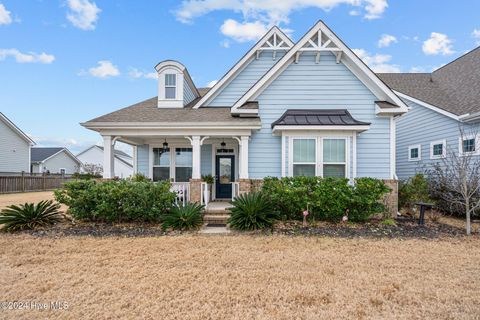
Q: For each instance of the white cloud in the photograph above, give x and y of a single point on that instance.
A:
(243, 32)
(137, 74)
(476, 35)
(272, 12)
(104, 70)
(83, 14)
(438, 43)
(377, 62)
(5, 17)
(30, 57)
(212, 83)
(386, 40)
(354, 13)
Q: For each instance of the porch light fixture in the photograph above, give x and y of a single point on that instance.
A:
(223, 144)
(165, 146)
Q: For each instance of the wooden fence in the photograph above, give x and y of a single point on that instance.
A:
(25, 183)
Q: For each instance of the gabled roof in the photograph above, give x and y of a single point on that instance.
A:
(16, 129)
(274, 39)
(320, 117)
(173, 63)
(116, 151)
(453, 88)
(320, 39)
(41, 154)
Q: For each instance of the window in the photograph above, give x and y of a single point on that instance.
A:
(170, 86)
(468, 145)
(334, 158)
(161, 164)
(304, 157)
(62, 171)
(183, 164)
(438, 149)
(414, 153)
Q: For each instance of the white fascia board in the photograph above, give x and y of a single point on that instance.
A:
(170, 125)
(358, 67)
(241, 64)
(387, 111)
(427, 105)
(12, 125)
(358, 128)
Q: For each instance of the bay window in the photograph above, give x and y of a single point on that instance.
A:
(304, 157)
(334, 158)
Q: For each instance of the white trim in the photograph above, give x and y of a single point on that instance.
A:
(315, 163)
(443, 142)
(250, 55)
(12, 126)
(170, 125)
(320, 128)
(427, 105)
(354, 155)
(468, 137)
(415, 146)
(367, 76)
(283, 155)
(392, 147)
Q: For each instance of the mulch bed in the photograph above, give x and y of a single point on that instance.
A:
(403, 228)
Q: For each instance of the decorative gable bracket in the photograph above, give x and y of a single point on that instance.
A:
(320, 43)
(277, 42)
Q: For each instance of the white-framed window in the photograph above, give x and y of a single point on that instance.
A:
(161, 164)
(415, 153)
(183, 164)
(438, 149)
(304, 156)
(62, 171)
(170, 86)
(469, 144)
(334, 157)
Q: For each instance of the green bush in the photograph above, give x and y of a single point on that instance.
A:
(188, 217)
(412, 190)
(326, 198)
(209, 179)
(366, 198)
(85, 176)
(251, 211)
(139, 177)
(30, 215)
(116, 200)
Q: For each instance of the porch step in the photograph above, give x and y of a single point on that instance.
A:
(216, 208)
(216, 219)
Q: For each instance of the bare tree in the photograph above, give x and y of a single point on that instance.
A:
(456, 179)
(92, 168)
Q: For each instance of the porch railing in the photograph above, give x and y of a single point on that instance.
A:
(182, 189)
(235, 189)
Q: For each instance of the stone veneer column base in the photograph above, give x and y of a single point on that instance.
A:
(250, 185)
(195, 190)
(391, 199)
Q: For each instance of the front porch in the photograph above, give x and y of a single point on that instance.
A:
(183, 160)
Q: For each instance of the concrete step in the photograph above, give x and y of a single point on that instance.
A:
(216, 219)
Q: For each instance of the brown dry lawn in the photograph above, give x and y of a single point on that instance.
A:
(20, 198)
(241, 277)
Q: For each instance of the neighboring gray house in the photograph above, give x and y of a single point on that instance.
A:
(94, 156)
(56, 160)
(440, 104)
(284, 109)
(14, 147)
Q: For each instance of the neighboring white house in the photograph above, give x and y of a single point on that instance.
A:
(56, 160)
(94, 156)
(14, 147)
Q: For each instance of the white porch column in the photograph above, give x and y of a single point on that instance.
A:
(196, 157)
(243, 161)
(108, 163)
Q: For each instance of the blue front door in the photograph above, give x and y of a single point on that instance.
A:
(225, 169)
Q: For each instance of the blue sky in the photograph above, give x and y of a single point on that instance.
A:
(63, 62)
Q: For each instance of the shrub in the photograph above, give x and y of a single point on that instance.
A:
(366, 199)
(30, 215)
(116, 200)
(251, 211)
(412, 190)
(326, 198)
(85, 176)
(208, 179)
(139, 177)
(188, 217)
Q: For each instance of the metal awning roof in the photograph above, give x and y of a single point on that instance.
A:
(318, 117)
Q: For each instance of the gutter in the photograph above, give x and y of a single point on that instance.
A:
(470, 118)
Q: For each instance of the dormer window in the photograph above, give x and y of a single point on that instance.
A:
(170, 86)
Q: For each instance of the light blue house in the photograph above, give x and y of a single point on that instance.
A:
(285, 109)
(441, 104)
